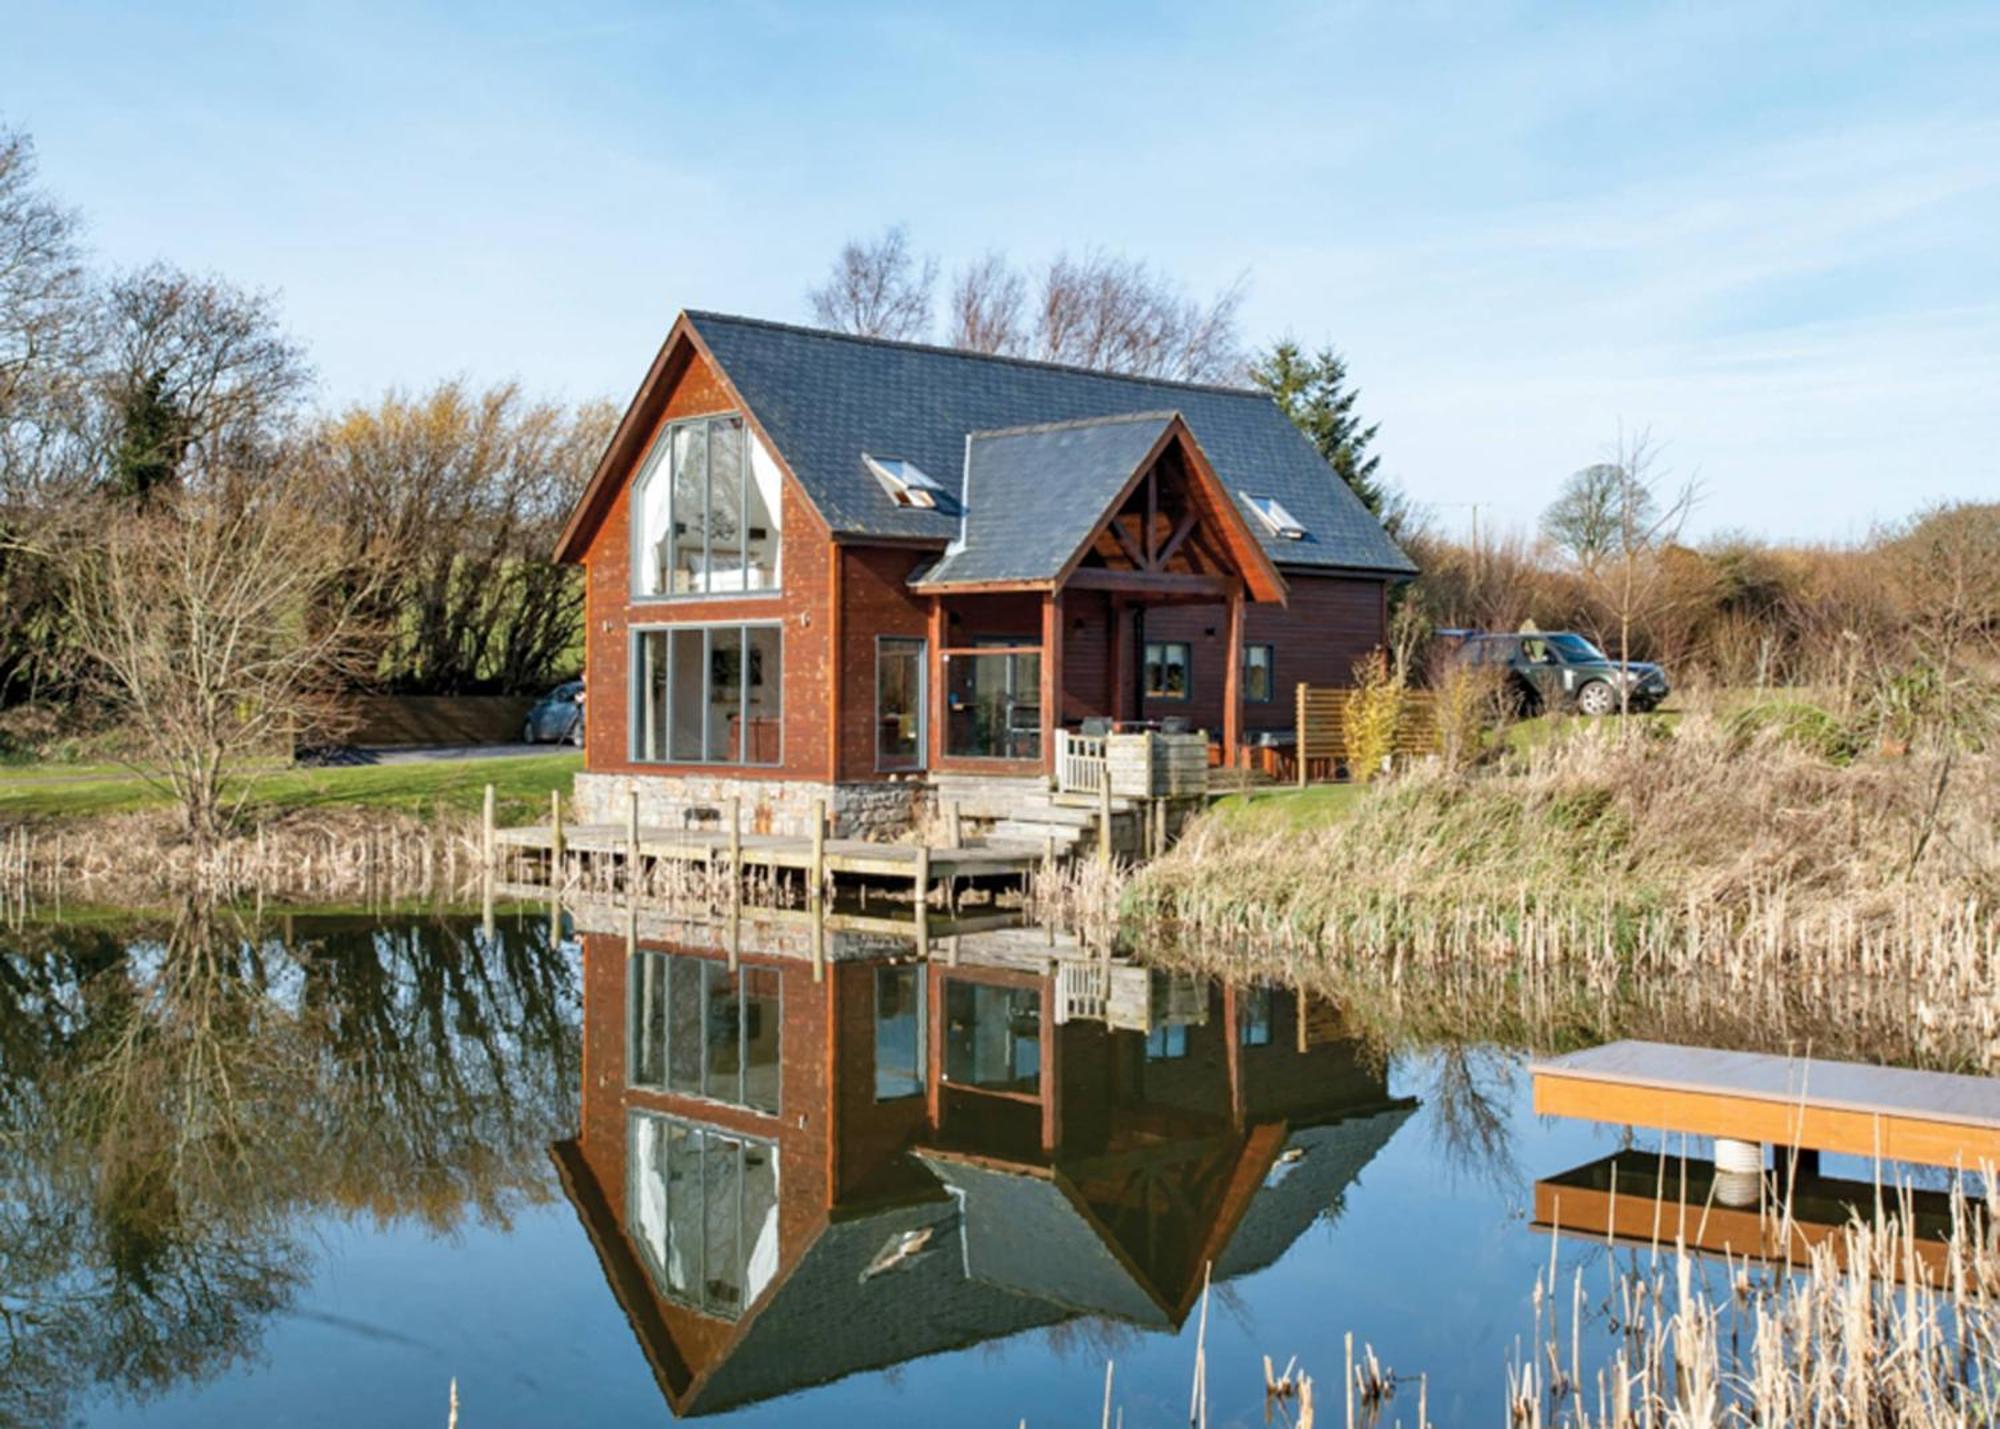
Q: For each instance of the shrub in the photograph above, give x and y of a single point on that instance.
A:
(1369, 716)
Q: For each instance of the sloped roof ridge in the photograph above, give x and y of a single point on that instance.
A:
(1224, 389)
(1034, 428)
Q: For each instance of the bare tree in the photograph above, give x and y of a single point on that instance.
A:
(449, 504)
(196, 374)
(219, 622)
(45, 336)
(1116, 315)
(1097, 310)
(988, 302)
(1943, 697)
(1622, 520)
(877, 289)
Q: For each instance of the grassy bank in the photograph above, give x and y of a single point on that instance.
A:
(1712, 864)
(49, 792)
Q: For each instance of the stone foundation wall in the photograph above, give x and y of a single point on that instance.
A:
(877, 810)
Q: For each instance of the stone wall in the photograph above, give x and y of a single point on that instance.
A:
(874, 810)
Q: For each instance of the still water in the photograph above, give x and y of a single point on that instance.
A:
(310, 1170)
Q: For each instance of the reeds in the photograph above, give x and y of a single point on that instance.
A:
(1863, 1332)
(1707, 870)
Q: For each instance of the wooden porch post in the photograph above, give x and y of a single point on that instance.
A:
(1052, 644)
(1232, 1052)
(1232, 680)
(934, 696)
(1114, 657)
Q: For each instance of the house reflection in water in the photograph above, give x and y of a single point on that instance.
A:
(788, 1181)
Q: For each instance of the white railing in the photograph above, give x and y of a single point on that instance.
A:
(1080, 763)
(1083, 990)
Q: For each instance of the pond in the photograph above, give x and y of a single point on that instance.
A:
(312, 1169)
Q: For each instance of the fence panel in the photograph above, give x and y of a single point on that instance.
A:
(1320, 744)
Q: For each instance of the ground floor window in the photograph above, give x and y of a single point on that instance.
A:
(703, 1207)
(1169, 669)
(1259, 674)
(700, 1030)
(993, 1037)
(708, 694)
(899, 1032)
(1167, 1042)
(899, 703)
(994, 703)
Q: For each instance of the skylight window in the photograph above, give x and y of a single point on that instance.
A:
(1280, 522)
(905, 481)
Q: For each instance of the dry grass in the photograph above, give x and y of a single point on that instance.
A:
(1883, 1341)
(1713, 864)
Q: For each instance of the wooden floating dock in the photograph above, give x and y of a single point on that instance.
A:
(1634, 1198)
(1886, 1113)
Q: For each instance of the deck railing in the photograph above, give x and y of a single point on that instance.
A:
(1083, 990)
(1080, 762)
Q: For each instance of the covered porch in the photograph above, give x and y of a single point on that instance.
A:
(1038, 652)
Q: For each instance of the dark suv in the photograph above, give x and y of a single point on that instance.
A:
(1558, 669)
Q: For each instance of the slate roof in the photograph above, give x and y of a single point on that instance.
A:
(1313, 1183)
(825, 1321)
(825, 398)
(1023, 1233)
(1033, 494)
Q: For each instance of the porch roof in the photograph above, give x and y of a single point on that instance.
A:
(1035, 498)
(1033, 495)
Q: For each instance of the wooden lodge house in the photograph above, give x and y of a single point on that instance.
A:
(822, 567)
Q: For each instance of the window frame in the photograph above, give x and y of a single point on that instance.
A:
(923, 755)
(637, 533)
(637, 726)
(1270, 695)
(920, 974)
(634, 1169)
(665, 1087)
(1146, 663)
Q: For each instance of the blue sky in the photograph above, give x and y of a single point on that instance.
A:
(1769, 232)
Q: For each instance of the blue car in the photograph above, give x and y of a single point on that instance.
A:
(557, 717)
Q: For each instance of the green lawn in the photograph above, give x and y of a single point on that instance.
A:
(1274, 811)
(521, 783)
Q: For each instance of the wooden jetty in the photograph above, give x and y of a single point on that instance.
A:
(777, 851)
(1886, 1113)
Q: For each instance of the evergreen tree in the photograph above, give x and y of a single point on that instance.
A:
(151, 441)
(1313, 392)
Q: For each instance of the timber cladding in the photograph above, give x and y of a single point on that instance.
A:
(876, 601)
(1326, 624)
(801, 606)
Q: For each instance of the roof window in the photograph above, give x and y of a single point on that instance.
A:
(1280, 522)
(905, 481)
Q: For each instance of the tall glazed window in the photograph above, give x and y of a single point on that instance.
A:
(708, 694)
(705, 513)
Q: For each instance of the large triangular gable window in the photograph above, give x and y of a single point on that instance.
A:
(1277, 520)
(905, 481)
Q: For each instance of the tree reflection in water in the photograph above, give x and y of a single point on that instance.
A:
(178, 1100)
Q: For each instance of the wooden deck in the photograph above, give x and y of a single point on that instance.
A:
(771, 851)
(1886, 1113)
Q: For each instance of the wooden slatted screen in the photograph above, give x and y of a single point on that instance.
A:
(1320, 721)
